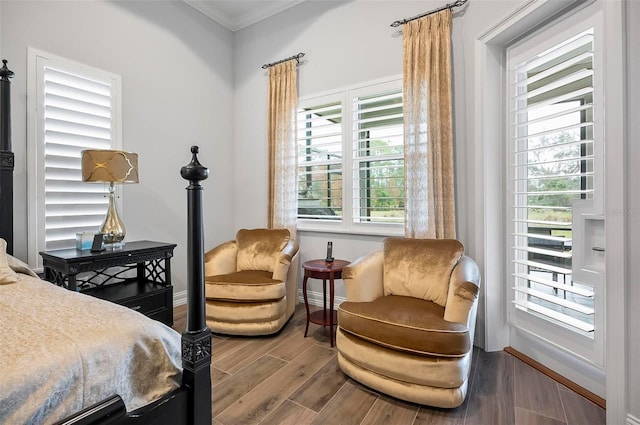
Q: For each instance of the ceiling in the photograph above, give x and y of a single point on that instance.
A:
(237, 14)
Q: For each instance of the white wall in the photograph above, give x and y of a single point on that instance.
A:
(177, 81)
(345, 43)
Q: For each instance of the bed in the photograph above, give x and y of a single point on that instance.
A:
(69, 358)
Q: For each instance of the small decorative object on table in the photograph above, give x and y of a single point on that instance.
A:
(97, 243)
(329, 258)
(84, 240)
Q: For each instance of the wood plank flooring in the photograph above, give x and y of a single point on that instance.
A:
(289, 379)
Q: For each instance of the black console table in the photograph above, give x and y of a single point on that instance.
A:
(108, 275)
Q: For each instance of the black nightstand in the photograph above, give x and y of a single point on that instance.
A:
(109, 275)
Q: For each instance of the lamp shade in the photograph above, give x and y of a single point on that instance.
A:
(109, 166)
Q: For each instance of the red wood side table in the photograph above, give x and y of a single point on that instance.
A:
(320, 269)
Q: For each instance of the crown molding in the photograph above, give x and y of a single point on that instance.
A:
(245, 18)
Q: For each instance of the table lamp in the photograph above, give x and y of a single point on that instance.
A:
(112, 166)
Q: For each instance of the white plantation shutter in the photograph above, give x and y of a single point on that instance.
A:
(320, 161)
(77, 116)
(553, 164)
(76, 108)
(378, 158)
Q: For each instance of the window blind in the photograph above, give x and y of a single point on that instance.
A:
(553, 164)
(378, 158)
(320, 162)
(77, 116)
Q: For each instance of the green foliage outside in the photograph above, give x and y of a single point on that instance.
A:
(554, 171)
(386, 190)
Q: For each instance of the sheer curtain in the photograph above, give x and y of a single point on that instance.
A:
(428, 138)
(282, 109)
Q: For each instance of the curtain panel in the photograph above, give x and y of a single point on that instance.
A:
(282, 109)
(428, 128)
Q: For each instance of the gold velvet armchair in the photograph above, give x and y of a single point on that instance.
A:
(407, 326)
(251, 282)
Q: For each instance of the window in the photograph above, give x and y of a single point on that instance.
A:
(552, 138)
(351, 160)
(72, 108)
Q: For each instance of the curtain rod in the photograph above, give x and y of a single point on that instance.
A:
(296, 57)
(456, 3)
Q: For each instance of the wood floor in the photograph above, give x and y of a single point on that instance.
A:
(289, 379)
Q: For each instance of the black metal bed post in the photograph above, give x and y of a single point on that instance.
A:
(6, 158)
(196, 340)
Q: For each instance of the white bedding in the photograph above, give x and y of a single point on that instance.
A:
(61, 351)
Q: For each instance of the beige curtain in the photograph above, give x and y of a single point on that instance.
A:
(282, 108)
(428, 141)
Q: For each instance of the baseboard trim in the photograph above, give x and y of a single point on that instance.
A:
(315, 298)
(632, 420)
(179, 298)
(594, 398)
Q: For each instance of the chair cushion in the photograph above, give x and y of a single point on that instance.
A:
(244, 286)
(245, 312)
(405, 324)
(420, 268)
(259, 249)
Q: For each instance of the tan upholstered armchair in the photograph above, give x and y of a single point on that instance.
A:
(251, 282)
(407, 326)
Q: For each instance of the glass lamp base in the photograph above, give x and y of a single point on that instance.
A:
(114, 246)
(112, 228)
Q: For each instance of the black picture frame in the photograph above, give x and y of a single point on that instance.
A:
(96, 246)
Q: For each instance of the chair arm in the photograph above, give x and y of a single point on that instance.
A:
(221, 259)
(284, 260)
(464, 286)
(363, 278)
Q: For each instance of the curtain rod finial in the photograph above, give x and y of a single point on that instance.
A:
(456, 3)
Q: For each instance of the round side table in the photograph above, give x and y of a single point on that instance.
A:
(320, 269)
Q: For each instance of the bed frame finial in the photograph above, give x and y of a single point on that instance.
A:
(194, 171)
(5, 73)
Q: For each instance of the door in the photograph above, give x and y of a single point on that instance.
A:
(554, 193)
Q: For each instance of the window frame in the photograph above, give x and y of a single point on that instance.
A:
(37, 60)
(347, 224)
